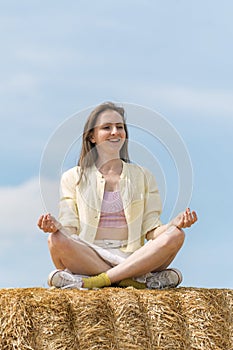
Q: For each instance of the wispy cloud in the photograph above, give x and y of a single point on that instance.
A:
(203, 101)
(20, 207)
(47, 56)
(24, 256)
(20, 83)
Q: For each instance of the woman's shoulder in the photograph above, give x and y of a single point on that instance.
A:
(73, 172)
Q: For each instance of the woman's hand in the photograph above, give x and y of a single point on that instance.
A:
(184, 219)
(48, 223)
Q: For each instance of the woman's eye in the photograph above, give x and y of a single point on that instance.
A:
(107, 127)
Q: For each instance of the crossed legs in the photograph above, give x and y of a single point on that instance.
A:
(156, 255)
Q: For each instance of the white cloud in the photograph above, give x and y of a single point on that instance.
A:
(47, 56)
(20, 83)
(21, 206)
(199, 103)
(207, 102)
(24, 255)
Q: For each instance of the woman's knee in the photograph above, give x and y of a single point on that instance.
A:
(174, 238)
(178, 238)
(57, 241)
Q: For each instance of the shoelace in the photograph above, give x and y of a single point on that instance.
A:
(161, 283)
(70, 282)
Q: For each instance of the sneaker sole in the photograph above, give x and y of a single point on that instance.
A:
(50, 277)
(72, 283)
(179, 274)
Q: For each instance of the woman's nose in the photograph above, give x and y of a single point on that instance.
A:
(114, 130)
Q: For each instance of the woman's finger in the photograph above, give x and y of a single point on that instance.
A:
(185, 216)
(192, 218)
(48, 223)
(194, 214)
(40, 221)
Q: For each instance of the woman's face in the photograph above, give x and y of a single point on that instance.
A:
(109, 133)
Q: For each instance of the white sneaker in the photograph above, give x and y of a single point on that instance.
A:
(169, 278)
(64, 280)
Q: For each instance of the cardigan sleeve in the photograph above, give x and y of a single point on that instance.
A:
(152, 204)
(68, 209)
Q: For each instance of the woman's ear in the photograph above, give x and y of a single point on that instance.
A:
(91, 138)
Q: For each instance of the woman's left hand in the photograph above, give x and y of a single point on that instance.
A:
(48, 223)
(185, 219)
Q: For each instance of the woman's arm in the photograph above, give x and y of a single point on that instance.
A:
(68, 209)
(49, 224)
(182, 220)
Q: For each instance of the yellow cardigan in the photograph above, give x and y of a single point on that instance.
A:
(80, 205)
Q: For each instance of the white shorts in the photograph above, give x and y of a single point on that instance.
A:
(112, 252)
(108, 250)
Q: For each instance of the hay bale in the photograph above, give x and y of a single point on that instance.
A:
(114, 318)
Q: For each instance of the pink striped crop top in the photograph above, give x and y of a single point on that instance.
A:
(112, 211)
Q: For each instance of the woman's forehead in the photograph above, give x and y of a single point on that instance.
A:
(109, 116)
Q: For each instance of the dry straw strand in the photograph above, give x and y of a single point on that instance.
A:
(165, 321)
(207, 318)
(114, 318)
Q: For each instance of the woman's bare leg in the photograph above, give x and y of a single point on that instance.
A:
(75, 256)
(156, 255)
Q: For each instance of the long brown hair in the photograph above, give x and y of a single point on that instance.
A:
(88, 154)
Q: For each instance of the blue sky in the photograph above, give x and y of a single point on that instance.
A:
(174, 57)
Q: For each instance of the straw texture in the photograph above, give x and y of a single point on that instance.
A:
(114, 318)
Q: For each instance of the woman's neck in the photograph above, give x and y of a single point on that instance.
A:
(113, 166)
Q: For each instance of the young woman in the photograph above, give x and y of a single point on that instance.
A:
(109, 230)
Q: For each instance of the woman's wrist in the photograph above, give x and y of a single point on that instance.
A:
(58, 226)
(173, 224)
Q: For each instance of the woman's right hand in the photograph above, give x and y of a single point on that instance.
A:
(185, 219)
(48, 223)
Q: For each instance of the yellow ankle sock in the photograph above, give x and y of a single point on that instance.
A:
(129, 282)
(98, 281)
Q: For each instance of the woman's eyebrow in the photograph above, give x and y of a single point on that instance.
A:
(110, 123)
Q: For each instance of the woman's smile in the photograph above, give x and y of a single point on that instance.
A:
(114, 140)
